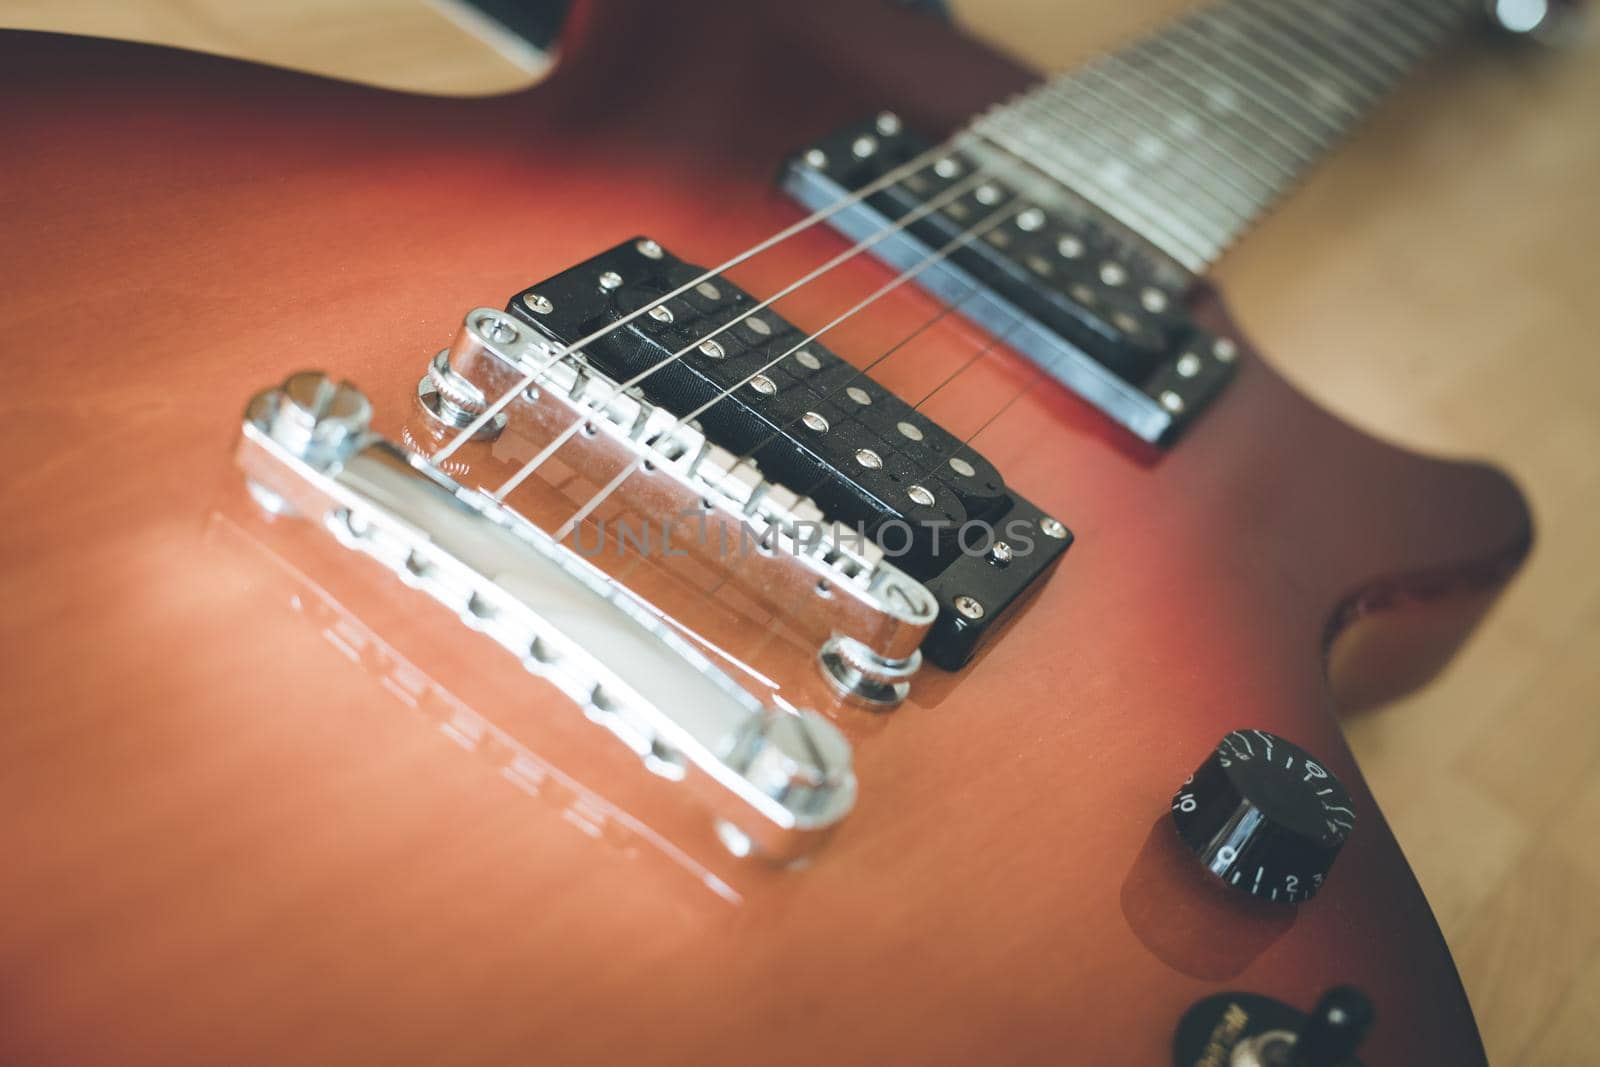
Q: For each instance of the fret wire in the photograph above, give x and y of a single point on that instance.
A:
(1090, 175)
(1390, 22)
(1293, 75)
(1197, 181)
(1374, 84)
(1249, 145)
(1422, 13)
(1251, 187)
(1316, 129)
(1199, 229)
(1335, 20)
(1364, 84)
(1085, 183)
(1436, 25)
(1223, 98)
(1295, 154)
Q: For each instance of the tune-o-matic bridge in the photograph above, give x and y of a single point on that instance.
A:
(1077, 293)
(813, 424)
(775, 781)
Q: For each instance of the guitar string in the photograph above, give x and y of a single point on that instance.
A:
(888, 178)
(992, 342)
(928, 207)
(989, 223)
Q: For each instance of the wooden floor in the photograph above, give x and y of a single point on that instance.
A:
(1437, 284)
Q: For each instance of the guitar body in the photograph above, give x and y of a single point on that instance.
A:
(231, 837)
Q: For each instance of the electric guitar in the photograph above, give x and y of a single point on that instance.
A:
(765, 546)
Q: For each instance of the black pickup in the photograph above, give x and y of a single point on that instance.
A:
(1079, 296)
(815, 424)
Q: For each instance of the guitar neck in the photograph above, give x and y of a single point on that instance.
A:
(1190, 134)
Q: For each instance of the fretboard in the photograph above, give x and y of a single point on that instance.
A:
(1188, 135)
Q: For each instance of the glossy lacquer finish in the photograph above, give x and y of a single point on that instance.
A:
(264, 805)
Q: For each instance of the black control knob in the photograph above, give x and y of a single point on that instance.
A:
(1264, 816)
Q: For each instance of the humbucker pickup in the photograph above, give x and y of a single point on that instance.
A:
(1067, 287)
(812, 423)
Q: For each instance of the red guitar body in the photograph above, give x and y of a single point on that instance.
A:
(230, 837)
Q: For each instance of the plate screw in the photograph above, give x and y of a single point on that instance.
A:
(648, 249)
(970, 607)
(1052, 527)
(539, 305)
(816, 158)
(1001, 553)
(1171, 401)
(610, 280)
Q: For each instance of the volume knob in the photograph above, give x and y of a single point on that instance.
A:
(1264, 816)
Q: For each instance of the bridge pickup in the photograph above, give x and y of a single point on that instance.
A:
(1075, 292)
(812, 423)
(867, 616)
(775, 782)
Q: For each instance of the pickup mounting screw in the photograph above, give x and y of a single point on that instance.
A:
(920, 495)
(869, 459)
(1225, 350)
(970, 607)
(539, 305)
(1052, 527)
(648, 249)
(817, 158)
(501, 331)
(888, 123)
(610, 280)
(1001, 554)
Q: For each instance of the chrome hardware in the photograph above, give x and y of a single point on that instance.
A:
(775, 782)
(830, 582)
(969, 607)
